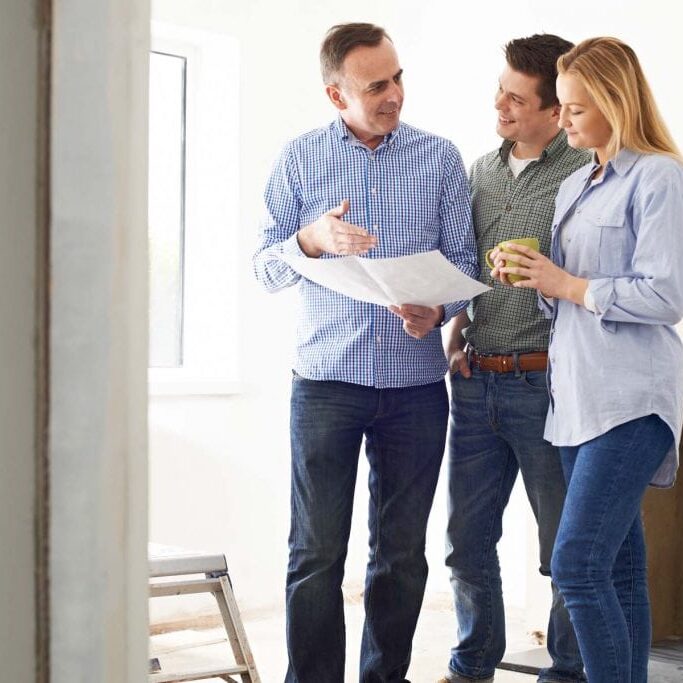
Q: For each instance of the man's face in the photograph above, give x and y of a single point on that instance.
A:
(520, 117)
(369, 92)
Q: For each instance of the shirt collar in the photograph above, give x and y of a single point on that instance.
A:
(621, 164)
(346, 134)
(556, 146)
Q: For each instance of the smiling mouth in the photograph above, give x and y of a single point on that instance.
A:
(505, 121)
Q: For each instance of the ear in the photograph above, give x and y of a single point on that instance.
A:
(335, 96)
(555, 113)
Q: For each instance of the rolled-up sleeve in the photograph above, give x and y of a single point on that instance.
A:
(279, 229)
(457, 240)
(653, 292)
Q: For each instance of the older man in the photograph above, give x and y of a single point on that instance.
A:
(365, 184)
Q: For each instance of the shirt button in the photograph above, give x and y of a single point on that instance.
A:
(375, 227)
(374, 190)
(508, 207)
(379, 338)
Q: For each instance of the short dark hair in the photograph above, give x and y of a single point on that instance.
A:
(343, 38)
(537, 55)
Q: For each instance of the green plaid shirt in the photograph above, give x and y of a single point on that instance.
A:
(506, 319)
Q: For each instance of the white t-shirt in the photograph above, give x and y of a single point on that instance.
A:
(518, 165)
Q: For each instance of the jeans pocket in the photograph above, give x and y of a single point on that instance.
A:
(535, 379)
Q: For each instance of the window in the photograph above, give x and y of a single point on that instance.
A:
(193, 211)
(166, 208)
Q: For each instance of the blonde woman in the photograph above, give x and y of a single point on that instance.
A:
(614, 290)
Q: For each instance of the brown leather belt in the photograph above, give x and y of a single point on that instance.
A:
(526, 362)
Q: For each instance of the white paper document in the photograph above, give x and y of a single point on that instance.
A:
(425, 279)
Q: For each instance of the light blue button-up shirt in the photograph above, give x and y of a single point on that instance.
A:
(624, 233)
(412, 192)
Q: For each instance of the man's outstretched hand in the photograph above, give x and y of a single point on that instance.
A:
(331, 235)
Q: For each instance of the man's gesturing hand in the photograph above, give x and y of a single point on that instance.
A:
(331, 235)
(418, 321)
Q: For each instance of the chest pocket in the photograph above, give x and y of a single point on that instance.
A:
(615, 243)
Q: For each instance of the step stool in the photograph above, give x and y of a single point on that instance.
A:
(217, 581)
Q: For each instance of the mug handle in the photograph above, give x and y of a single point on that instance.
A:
(487, 257)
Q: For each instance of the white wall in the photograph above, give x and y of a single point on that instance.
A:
(18, 197)
(219, 465)
(98, 358)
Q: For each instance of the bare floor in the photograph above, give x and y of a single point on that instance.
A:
(202, 649)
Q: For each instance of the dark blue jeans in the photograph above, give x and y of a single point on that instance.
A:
(405, 432)
(599, 562)
(497, 424)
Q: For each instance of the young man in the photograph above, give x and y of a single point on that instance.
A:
(361, 369)
(498, 361)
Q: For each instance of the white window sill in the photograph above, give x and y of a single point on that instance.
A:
(185, 382)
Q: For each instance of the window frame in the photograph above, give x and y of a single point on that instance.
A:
(210, 353)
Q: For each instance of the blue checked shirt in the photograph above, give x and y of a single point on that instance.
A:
(412, 192)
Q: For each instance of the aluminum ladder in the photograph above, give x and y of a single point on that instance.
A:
(215, 580)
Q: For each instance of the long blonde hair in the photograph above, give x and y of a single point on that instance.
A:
(610, 71)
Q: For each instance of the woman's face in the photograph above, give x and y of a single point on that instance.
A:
(580, 117)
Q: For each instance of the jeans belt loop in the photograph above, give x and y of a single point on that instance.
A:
(515, 360)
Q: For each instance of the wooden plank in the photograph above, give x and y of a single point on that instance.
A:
(235, 629)
(196, 675)
(663, 518)
(178, 565)
(164, 588)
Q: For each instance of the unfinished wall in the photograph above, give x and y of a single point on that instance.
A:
(98, 361)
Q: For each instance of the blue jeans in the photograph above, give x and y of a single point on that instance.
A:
(599, 562)
(497, 423)
(405, 432)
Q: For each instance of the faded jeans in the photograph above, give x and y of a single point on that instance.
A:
(497, 423)
(405, 432)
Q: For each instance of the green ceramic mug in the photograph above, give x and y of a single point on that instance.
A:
(530, 242)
